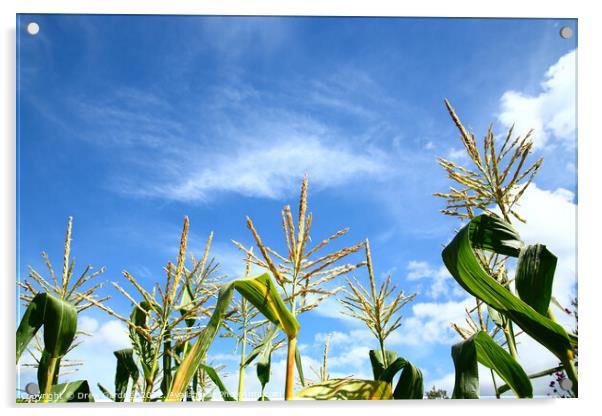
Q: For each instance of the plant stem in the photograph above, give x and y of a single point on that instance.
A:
(509, 334)
(148, 390)
(52, 361)
(290, 369)
(497, 394)
(292, 346)
(243, 342)
(382, 351)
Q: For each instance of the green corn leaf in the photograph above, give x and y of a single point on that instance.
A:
(377, 362)
(535, 276)
(218, 382)
(187, 298)
(262, 293)
(261, 346)
(106, 392)
(410, 385)
(264, 364)
(347, 389)
(299, 366)
(59, 319)
(495, 316)
(167, 367)
(76, 391)
(193, 359)
(483, 349)
(45, 377)
(126, 369)
(490, 233)
(141, 345)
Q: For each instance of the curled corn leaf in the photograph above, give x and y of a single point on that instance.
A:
(483, 349)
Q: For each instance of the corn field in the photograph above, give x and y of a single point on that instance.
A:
(173, 324)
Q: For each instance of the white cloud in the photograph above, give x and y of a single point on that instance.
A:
(552, 112)
(441, 281)
(111, 334)
(331, 308)
(429, 323)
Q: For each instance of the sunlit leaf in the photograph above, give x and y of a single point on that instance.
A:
(490, 233)
(481, 348)
(347, 389)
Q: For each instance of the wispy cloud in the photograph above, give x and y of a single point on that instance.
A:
(268, 171)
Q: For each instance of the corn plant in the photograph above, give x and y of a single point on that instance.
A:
(321, 374)
(249, 328)
(476, 258)
(54, 305)
(301, 278)
(382, 318)
(126, 369)
(165, 319)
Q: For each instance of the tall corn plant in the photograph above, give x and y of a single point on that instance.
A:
(379, 309)
(300, 276)
(249, 328)
(166, 318)
(498, 179)
(53, 304)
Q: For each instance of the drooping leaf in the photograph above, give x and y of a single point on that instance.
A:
(260, 346)
(264, 364)
(59, 319)
(410, 385)
(490, 233)
(261, 292)
(126, 369)
(218, 382)
(483, 349)
(76, 391)
(535, 276)
(378, 364)
(347, 389)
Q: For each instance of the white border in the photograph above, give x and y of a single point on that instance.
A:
(589, 70)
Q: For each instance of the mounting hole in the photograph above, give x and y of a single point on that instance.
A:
(566, 384)
(33, 28)
(32, 389)
(566, 32)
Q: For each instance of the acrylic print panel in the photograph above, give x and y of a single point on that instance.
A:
(271, 208)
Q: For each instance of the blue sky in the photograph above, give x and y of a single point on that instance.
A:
(128, 123)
